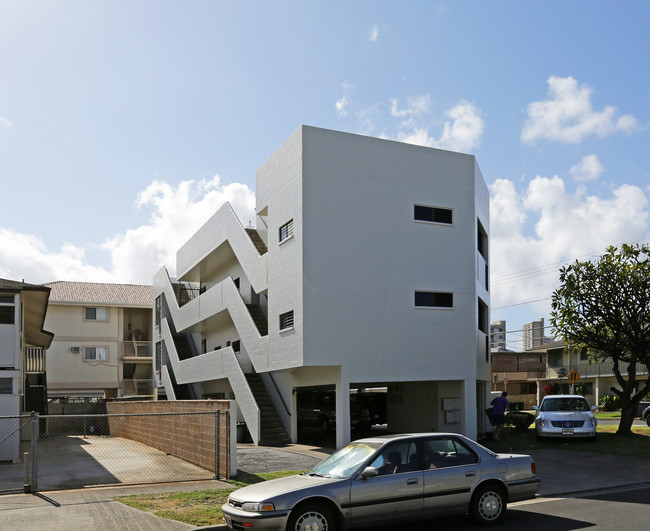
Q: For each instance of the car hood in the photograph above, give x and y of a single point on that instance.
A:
(276, 487)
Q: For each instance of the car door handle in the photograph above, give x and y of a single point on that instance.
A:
(470, 473)
(413, 481)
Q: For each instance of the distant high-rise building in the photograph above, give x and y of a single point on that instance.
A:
(534, 335)
(498, 334)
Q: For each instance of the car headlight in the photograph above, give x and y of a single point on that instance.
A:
(542, 422)
(592, 422)
(255, 507)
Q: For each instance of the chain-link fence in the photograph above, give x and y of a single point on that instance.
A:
(71, 451)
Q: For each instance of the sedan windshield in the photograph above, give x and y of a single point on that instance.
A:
(343, 463)
(565, 404)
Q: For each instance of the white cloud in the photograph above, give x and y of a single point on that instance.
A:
(545, 224)
(461, 132)
(374, 34)
(342, 105)
(4, 122)
(465, 128)
(588, 169)
(176, 212)
(416, 106)
(567, 115)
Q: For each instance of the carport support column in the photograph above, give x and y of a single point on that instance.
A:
(469, 403)
(343, 434)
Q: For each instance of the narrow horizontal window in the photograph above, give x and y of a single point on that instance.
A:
(286, 231)
(95, 353)
(433, 299)
(97, 314)
(286, 320)
(432, 214)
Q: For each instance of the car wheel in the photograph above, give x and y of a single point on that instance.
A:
(311, 517)
(488, 505)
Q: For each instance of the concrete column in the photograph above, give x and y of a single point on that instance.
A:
(468, 389)
(343, 432)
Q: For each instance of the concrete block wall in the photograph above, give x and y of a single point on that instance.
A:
(189, 437)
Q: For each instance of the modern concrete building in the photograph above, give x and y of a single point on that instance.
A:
(102, 347)
(367, 267)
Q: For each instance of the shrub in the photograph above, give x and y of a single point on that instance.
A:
(519, 420)
(609, 403)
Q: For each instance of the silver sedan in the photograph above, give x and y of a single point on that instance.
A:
(395, 478)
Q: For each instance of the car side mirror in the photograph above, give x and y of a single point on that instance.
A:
(594, 408)
(369, 472)
(536, 408)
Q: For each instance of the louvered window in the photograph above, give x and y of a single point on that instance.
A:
(286, 231)
(286, 320)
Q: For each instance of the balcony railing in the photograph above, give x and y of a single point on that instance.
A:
(137, 349)
(34, 359)
(137, 387)
(585, 369)
(186, 291)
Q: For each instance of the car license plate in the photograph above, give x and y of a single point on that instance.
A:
(567, 431)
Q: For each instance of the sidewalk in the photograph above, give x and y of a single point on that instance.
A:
(562, 473)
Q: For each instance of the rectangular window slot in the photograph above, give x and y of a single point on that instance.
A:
(433, 299)
(432, 214)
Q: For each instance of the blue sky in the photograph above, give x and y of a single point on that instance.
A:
(125, 124)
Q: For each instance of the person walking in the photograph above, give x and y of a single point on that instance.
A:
(499, 406)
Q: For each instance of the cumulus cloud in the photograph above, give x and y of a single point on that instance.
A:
(176, 212)
(4, 122)
(545, 224)
(588, 169)
(462, 131)
(374, 34)
(567, 115)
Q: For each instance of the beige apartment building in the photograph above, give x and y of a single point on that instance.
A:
(102, 347)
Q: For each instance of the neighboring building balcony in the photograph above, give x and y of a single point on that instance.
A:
(35, 359)
(136, 387)
(591, 370)
(137, 351)
(519, 376)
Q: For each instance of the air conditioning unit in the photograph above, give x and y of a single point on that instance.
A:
(75, 350)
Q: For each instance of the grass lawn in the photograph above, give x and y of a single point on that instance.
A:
(203, 507)
(198, 507)
(607, 442)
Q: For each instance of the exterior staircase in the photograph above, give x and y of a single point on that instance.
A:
(272, 429)
(257, 240)
(259, 318)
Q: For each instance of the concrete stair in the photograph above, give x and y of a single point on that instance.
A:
(272, 429)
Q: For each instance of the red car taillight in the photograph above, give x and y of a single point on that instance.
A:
(533, 468)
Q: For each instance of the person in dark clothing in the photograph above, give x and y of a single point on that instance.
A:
(499, 406)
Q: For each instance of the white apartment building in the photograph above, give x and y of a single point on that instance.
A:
(23, 340)
(498, 334)
(367, 267)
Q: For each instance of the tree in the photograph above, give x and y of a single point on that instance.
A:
(604, 306)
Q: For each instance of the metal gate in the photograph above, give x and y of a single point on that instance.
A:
(53, 452)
